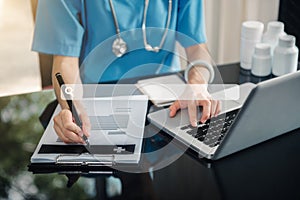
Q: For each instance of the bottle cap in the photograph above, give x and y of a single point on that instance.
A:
(275, 27)
(261, 60)
(252, 30)
(287, 41)
(262, 49)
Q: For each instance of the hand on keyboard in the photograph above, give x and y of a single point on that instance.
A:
(197, 95)
(213, 131)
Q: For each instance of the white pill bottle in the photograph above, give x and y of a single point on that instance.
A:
(251, 34)
(275, 29)
(262, 60)
(285, 59)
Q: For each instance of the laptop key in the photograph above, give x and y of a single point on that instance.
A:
(212, 132)
(193, 132)
(201, 138)
(224, 130)
(209, 134)
(206, 140)
(215, 144)
(202, 131)
(185, 127)
(209, 141)
(220, 137)
(230, 122)
(190, 126)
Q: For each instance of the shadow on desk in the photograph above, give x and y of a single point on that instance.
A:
(266, 171)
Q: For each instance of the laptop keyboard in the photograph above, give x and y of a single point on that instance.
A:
(213, 130)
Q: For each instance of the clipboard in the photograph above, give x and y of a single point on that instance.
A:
(66, 164)
(53, 156)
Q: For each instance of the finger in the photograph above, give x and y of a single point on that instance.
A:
(218, 109)
(60, 134)
(174, 108)
(58, 129)
(63, 132)
(206, 105)
(69, 129)
(213, 108)
(72, 136)
(68, 124)
(192, 110)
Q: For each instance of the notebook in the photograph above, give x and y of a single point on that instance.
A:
(116, 134)
(163, 90)
(264, 111)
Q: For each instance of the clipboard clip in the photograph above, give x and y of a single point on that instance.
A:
(85, 159)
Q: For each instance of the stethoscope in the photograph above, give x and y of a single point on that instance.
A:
(119, 46)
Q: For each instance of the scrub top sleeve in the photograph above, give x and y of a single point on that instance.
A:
(191, 23)
(58, 30)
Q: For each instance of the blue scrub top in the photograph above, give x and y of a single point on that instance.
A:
(85, 29)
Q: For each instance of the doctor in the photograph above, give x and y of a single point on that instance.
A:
(131, 38)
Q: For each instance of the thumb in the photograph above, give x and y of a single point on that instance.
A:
(174, 108)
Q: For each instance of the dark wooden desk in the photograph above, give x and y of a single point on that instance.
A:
(266, 171)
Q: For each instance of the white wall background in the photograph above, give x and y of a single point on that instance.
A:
(18, 65)
(223, 24)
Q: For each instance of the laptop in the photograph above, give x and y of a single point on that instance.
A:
(264, 111)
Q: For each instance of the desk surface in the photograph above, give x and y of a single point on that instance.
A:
(266, 171)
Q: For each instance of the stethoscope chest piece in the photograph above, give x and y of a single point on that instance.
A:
(119, 47)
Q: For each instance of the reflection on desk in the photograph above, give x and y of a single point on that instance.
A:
(266, 171)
